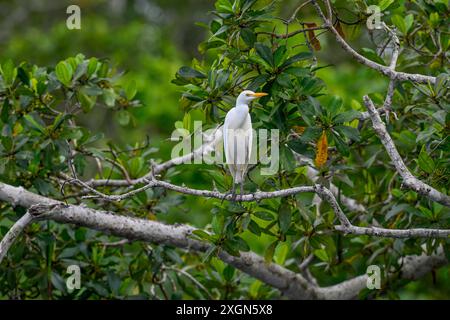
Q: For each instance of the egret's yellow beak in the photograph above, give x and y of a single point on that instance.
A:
(259, 94)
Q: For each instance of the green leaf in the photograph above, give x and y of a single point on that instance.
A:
(434, 19)
(114, 282)
(130, 90)
(64, 73)
(69, 253)
(349, 132)
(221, 30)
(287, 158)
(384, 4)
(217, 223)
(396, 209)
(9, 72)
(23, 76)
(58, 281)
(284, 216)
(279, 55)
(103, 70)
(190, 73)
(92, 66)
(43, 186)
(224, 6)
(238, 243)
(109, 96)
(321, 254)
(409, 20)
(228, 273)
(372, 55)
(212, 250)
(227, 245)
(425, 162)
(206, 45)
(254, 228)
(268, 254)
(136, 164)
(254, 289)
(4, 115)
(341, 146)
(80, 71)
(298, 57)
(265, 53)
(281, 253)
(248, 36)
(399, 22)
(335, 105)
(311, 134)
(298, 146)
(202, 235)
(284, 80)
(425, 212)
(59, 120)
(34, 124)
(297, 71)
(264, 215)
(86, 102)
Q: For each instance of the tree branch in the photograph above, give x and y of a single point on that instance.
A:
(313, 175)
(291, 284)
(385, 70)
(412, 268)
(203, 150)
(408, 179)
(14, 233)
(291, 34)
(345, 225)
(395, 233)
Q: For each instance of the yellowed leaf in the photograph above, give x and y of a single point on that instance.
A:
(338, 28)
(299, 129)
(321, 150)
(312, 36)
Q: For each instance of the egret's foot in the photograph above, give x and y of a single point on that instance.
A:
(233, 196)
(232, 193)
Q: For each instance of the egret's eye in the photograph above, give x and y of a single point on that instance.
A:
(248, 94)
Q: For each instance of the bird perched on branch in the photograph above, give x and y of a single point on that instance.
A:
(238, 137)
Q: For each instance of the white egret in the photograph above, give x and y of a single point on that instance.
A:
(238, 137)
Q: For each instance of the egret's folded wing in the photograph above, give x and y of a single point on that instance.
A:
(249, 135)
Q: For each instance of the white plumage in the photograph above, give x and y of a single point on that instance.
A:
(238, 137)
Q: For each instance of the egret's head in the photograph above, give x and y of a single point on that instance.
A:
(247, 95)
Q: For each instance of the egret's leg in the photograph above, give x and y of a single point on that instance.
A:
(233, 192)
(241, 187)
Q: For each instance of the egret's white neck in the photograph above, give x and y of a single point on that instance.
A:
(242, 107)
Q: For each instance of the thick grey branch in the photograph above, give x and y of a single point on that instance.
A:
(291, 284)
(321, 191)
(396, 233)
